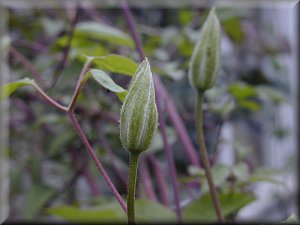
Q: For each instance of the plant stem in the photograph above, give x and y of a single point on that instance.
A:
(79, 84)
(132, 176)
(96, 160)
(204, 157)
(19, 57)
(50, 100)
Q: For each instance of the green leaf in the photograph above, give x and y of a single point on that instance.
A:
(10, 88)
(241, 90)
(232, 26)
(185, 16)
(93, 30)
(36, 199)
(149, 212)
(122, 95)
(146, 212)
(104, 213)
(116, 64)
(79, 46)
(202, 210)
(249, 104)
(103, 79)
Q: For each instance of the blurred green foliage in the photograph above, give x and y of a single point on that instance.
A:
(47, 157)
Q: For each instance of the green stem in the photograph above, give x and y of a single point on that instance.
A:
(132, 176)
(205, 160)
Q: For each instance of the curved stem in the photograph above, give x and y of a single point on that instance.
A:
(50, 100)
(80, 82)
(132, 176)
(204, 157)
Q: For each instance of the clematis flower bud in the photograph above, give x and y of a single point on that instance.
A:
(138, 121)
(205, 59)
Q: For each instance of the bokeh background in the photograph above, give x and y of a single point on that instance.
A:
(250, 117)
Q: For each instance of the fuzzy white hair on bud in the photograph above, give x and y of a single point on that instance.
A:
(205, 58)
(138, 121)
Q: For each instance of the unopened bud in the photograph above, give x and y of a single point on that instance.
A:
(205, 59)
(138, 121)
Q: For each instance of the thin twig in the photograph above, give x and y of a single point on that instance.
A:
(50, 100)
(33, 72)
(92, 153)
(79, 84)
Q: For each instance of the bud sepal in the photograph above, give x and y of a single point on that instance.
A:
(138, 121)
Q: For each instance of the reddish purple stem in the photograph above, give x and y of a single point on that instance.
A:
(96, 160)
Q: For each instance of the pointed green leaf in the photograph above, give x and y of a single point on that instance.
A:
(202, 210)
(116, 64)
(122, 95)
(10, 88)
(93, 30)
(105, 213)
(103, 79)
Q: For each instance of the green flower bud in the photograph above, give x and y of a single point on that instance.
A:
(139, 113)
(205, 59)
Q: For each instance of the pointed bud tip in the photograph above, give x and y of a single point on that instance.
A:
(213, 9)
